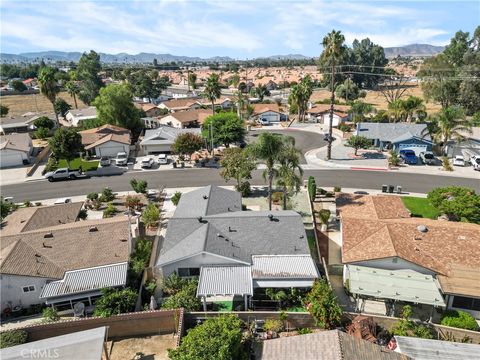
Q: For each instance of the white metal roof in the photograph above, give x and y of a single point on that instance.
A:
(402, 285)
(225, 280)
(90, 279)
(79, 345)
(283, 266)
(426, 349)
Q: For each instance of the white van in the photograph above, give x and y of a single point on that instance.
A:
(162, 159)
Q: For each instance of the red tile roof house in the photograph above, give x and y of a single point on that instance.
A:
(106, 140)
(389, 255)
(180, 104)
(151, 110)
(320, 113)
(48, 255)
(270, 112)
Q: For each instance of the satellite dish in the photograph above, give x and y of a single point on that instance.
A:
(79, 309)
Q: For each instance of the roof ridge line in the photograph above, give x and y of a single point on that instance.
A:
(370, 235)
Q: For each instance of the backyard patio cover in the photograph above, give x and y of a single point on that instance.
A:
(225, 280)
(401, 285)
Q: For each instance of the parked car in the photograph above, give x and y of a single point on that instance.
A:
(427, 158)
(458, 160)
(264, 121)
(162, 159)
(147, 162)
(104, 161)
(121, 159)
(475, 161)
(408, 157)
(62, 174)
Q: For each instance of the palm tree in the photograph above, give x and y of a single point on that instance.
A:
(267, 148)
(334, 48)
(261, 91)
(448, 124)
(48, 86)
(212, 90)
(287, 177)
(300, 95)
(73, 89)
(396, 110)
(413, 105)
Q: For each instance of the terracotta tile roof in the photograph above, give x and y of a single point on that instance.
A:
(123, 139)
(51, 251)
(371, 230)
(191, 115)
(91, 136)
(180, 103)
(261, 108)
(35, 218)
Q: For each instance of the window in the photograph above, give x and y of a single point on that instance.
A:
(188, 272)
(29, 288)
(466, 303)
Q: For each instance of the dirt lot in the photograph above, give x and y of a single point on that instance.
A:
(378, 100)
(153, 347)
(21, 104)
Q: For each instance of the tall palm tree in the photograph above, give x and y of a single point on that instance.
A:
(413, 105)
(261, 91)
(396, 110)
(333, 50)
(48, 86)
(212, 90)
(300, 95)
(73, 90)
(287, 177)
(448, 124)
(268, 148)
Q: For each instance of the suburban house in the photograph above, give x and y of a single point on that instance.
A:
(185, 119)
(468, 146)
(389, 255)
(150, 122)
(48, 255)
(79, 345)
(106, 140)
(16, 124)
(151, 110)
(76, 116)
(320, 113)
(233, 252)
(161, 139)
(222, 103)
(327, 345)
(180, 104)
(15, 150)
(30, 83)
(397, 136)
(270, 112)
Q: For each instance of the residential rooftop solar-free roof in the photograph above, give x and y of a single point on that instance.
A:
(402, 285)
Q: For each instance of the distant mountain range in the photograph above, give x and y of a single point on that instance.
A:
(143, 58)
(424, 50)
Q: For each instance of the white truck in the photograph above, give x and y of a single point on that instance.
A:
(475, 161)
(62, 174)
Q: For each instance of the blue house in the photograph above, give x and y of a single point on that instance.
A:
(397, 136)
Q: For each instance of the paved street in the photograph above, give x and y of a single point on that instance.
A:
(38, 190)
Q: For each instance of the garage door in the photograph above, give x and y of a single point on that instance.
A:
(9, 160)
(418, 148)
(157, 149)
(111, 151)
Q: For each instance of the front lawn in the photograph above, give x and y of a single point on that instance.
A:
(77, 162)
(420, 207)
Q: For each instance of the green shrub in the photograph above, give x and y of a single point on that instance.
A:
(324, 215)
(344, 127)
(312, 188)
(114, 302)
(459, 319)
(273, 325)
(304, 331)
(82, 214)
(322, 305)
(92, 196)
(176, 198)
(173, 284)
(151, 215)
(109, 211)
(139, 186)
(52, 165)
(277, 197)
(107, 195)
(244, 188)
(50, 314)
(42, 133)
(337, 189)
(13, 338)
(185, 298)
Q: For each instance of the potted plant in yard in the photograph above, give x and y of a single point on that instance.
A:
(324, 216)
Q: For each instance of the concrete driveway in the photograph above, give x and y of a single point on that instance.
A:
(13, 175)
(304, 140)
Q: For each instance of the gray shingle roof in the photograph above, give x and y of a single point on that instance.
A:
(393, 132)
(164, 135)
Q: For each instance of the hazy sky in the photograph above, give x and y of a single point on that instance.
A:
(240, 29)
